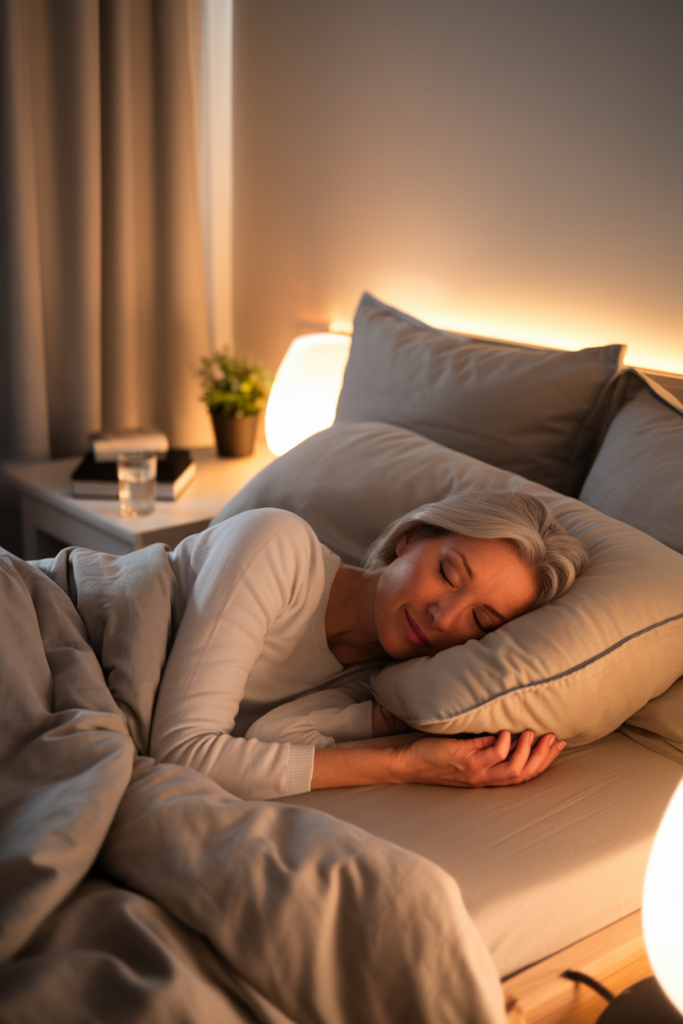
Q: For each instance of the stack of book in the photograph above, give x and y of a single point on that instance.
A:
(138, 441)
(175, 471)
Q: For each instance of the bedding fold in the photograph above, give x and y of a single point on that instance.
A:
(136, 891)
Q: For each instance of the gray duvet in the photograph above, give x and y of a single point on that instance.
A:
(132, 891)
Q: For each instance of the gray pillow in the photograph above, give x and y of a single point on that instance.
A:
(637, 476)
(533, 411)
(578, 667)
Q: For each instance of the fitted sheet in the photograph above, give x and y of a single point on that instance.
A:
(539, 865)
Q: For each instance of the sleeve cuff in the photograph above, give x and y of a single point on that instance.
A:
(299, 769)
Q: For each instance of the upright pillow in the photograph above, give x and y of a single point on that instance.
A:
(533, 411)
(578, 667)
(638, 473)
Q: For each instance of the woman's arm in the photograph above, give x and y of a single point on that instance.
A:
(324, 718)
(436, 761)
(234, 580)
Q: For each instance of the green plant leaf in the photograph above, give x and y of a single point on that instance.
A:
(233, 385)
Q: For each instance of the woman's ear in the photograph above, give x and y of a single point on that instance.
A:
(405, 541)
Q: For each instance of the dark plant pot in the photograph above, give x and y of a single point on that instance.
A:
(234, 437)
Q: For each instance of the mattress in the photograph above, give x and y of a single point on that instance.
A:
(539, 865)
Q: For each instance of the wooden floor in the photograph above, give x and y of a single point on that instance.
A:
(615, 957)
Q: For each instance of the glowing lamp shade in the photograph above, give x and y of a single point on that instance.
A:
(303, 399)
(663, 902)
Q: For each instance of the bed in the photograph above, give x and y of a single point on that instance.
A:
(546, 865)
(141, 891)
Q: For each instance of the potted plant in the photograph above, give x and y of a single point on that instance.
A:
(234, 390)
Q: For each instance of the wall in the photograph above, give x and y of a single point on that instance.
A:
(511, 168)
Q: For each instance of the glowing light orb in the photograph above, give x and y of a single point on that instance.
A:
(663, 902)
(303, 398)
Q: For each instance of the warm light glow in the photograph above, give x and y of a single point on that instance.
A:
(303, 399)
(340, 326)
(663, 902)
(546, 320)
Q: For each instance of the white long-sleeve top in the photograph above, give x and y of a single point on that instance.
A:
(252, 596)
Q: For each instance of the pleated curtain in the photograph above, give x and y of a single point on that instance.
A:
(103, 300)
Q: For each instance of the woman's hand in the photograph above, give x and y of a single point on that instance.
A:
(483, 761)
(435, 760)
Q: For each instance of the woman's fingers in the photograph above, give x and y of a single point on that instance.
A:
(481, 742)
(481, 761)
(527, 760)
(504, 762)
(504, 744)
(522, 751)
(488, 751)
(543, 754)
(554, 750)
(476, 757)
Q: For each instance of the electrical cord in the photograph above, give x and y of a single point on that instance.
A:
(586, 979)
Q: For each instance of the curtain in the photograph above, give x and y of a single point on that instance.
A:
(103, 293)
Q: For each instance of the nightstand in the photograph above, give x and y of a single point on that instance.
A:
(52, 519)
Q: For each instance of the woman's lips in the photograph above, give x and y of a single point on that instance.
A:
(414, 633)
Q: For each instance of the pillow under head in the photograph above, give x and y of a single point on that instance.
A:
(637, 475)
(534, 411)
(578, 667)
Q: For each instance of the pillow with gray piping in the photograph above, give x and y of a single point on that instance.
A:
(579, 667)
(637, 475)
(534, 411)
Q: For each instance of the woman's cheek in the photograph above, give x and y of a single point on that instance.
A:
(388, 634)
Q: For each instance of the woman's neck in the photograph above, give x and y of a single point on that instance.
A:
(350, 616)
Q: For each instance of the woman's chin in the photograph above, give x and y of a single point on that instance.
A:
(417, 654)
(403, 650)
(401, 642)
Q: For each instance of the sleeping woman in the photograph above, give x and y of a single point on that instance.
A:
(267, 614)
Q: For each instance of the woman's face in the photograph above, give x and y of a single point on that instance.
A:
(441, 591)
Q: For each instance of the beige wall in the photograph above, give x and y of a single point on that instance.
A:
(513, 168)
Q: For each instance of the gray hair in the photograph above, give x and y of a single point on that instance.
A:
(553, 555)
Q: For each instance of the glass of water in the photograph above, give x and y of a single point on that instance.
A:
(137, 481)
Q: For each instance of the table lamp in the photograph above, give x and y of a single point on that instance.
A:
(663, 902)
(303, 398)
(659, 1000)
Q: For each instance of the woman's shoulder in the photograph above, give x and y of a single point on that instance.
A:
(274, 554)
(271, 530)
(266, 523)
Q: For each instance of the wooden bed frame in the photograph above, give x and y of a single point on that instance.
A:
(614, 956)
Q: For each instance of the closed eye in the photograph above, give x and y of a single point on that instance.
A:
(441, 570)
(483, 629)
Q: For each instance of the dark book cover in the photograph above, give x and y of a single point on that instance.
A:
(93, 479)
(169, 467)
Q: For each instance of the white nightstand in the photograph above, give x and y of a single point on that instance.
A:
(52, 519)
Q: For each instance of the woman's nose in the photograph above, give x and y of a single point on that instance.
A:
(445, 612)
